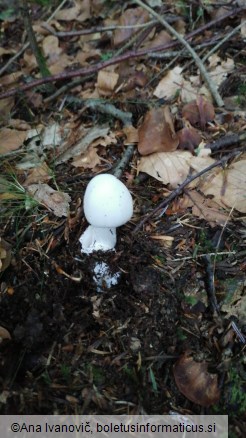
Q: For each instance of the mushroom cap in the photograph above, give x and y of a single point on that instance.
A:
(107, 202)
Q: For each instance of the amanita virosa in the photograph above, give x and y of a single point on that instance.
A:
(107, 205)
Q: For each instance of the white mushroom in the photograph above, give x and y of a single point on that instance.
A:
(107, 205)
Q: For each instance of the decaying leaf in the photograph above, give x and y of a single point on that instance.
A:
(169, 167)
(57, 202)
(219, 69)
(80, 147)
(4, 334)
(195, 382)
(89, 160)
(205, 208)
(38, 174)
(160, 39)
(199, 112)
(170, 84)
(51, 48)
(131, 134)
(11, 139)
(79, 12)
(234, 302)
(189, 138)
(157, 133)
(131, 17)
(5, 254)
(106, 82)
(228, 186)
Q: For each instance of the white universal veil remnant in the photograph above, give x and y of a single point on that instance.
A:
(107, 204)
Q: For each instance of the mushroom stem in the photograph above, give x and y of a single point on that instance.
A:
(98, 239)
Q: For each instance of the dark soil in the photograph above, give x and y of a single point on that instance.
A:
(74, 349)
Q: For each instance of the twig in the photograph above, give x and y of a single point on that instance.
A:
(180, 188)
(98, 29)
(125, 159)
(219, 44)
(66, 88)
(228, 140)
(211, 85)
(103, 107)
(184, 53)
(180, 259)
(96, 67)
(210, 284)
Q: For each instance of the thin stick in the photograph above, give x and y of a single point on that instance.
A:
(125, 159)
(99, 29)
(180, 188)
(211, 85)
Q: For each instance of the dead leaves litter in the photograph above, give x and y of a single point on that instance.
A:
(57, 202)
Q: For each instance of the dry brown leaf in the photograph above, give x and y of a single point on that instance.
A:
(235, 298)
(228, 186)
(4, 334)
(160, 39)
(89, 160)
(195, 382)
(57, 202)
(39, 174)
(205, 208)
(79, 12)
(130, 17)
(219, 69)
(157, 133)
(6, 51)
(6, 106)
(106, 82)
(87, 137)
(170, 84)
(11, 139)
(199, 112)
(11, 78)
(180, 26)
(51, 48)
(189, 138)
(131, 134)
(5, 254)
(169, 167)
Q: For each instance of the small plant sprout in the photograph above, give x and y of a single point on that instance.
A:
(107, 205)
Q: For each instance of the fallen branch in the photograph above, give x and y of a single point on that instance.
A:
(180, 188)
